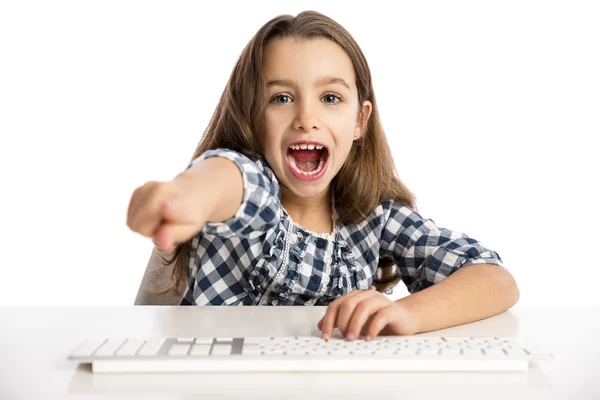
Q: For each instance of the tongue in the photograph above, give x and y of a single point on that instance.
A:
(307, 155)
(307, 160)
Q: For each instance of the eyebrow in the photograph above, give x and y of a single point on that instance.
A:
(326, 80)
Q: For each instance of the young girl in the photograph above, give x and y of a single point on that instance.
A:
(292, 198)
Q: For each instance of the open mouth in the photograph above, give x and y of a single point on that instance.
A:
(307, 160)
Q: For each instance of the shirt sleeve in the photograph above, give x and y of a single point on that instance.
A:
(425, 253)
(260, 208)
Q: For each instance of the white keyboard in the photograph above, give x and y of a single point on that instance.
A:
(287, 354)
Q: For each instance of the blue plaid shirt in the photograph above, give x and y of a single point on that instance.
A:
(261, 257)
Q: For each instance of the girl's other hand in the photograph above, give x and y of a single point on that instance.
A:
(369, 313)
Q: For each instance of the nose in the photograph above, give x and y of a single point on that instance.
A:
(306, 118)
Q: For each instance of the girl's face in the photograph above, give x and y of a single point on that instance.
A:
(313, 112)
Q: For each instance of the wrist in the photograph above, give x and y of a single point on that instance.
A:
(412, 316)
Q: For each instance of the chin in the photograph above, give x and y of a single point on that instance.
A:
(307, 191)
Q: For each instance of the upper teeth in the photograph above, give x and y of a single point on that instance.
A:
(306, 146)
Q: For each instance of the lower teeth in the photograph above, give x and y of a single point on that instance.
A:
(292, 161)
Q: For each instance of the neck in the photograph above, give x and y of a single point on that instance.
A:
(313, 213)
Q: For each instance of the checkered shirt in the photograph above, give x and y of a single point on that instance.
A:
(262, 257)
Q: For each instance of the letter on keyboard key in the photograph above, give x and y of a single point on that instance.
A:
(109, 347)
(151, 347)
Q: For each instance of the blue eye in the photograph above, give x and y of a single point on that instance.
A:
(282, 96)
(331, 99)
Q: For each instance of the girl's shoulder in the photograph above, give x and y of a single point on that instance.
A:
(382, 214)
(394, 207)
(248, 164)
(388, 215)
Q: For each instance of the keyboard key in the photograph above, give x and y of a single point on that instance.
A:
(200, 350)
(310, 339)
(494, 351)
(516, 352)
(274, 352)
(88, 348)
(151, 347)
(256, 340)
(130, 347)
(251, 351)
(450, 351)
(221, 350)
(360, 352)
(535, 351)
(295, 352)
(185, 340)
(203, 340)
(179, 350)
(109, 347)
(339, 352)
(405, 351)
(385, 351)
(472, 351)
(429, 351)
(318, 351)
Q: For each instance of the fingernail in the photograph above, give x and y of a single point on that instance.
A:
(350, 336)
(325, 336)
(368, 337)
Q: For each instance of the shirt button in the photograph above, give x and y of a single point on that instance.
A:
(315, 279)
(321, 243)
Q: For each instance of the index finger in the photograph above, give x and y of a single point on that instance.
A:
(329, 320)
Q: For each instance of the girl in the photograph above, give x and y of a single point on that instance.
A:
(292, 198)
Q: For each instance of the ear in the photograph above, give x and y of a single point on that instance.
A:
(363, 119)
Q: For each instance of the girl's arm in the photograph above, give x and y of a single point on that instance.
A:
(469, 294)
(225, 183)
(247, 200)
(453, 279)
(222, 193)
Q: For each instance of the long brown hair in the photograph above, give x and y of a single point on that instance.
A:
(368, 176)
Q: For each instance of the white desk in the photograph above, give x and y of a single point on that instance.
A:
(34, 342)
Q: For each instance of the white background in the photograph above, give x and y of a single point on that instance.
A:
(492, 110)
